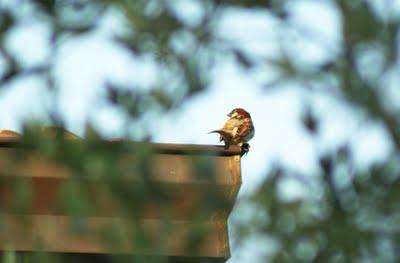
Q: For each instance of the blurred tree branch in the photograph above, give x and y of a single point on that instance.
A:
(345, 216)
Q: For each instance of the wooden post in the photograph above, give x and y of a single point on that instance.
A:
(48, 226)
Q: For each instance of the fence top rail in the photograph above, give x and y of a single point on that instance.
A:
(10, 140)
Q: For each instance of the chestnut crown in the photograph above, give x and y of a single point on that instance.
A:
(239, 112)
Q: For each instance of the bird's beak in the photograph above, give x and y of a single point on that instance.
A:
(232, 114)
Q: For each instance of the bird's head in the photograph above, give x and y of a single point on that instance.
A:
(239, 113)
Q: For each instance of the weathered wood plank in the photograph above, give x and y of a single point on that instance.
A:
(185, 191)
(165, 168)
(57, 234)
(11, 140)
(190, 178)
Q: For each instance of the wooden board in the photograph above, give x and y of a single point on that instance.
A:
(57, 234)
(185, 191)
(190, 178)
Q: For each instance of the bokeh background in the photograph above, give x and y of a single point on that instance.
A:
(320, 79)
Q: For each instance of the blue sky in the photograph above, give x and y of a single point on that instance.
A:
(84, 63)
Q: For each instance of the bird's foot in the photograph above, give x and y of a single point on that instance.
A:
(245, 148)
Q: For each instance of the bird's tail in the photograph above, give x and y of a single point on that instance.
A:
(223, 134)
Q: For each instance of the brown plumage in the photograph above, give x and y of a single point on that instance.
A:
(238, 129)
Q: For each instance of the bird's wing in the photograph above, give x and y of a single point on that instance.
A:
(231, 124)
(244, 128)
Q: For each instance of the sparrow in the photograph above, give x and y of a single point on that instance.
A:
(237, 130)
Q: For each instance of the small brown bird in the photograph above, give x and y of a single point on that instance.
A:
(237, 130)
